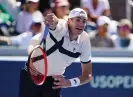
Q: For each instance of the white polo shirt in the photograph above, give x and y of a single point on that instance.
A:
(63, 57)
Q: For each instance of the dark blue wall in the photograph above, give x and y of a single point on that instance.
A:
(109, 80)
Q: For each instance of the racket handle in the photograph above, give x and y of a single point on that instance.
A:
(46, 31)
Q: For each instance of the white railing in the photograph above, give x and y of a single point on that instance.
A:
(129, 5)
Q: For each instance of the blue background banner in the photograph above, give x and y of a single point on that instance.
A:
(109, 80)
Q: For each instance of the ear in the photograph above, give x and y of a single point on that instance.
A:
(69, 21)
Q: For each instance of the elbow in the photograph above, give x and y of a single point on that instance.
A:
(89, 77)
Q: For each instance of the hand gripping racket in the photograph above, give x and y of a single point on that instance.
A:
(37, 62)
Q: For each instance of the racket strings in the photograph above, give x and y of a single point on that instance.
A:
(36, 76)
(34, 59)
(36, 66)
(32, 69)
(34, 72)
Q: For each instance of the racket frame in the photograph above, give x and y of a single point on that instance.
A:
(45, 63)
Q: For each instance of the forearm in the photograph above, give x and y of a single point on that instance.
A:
(85, 77)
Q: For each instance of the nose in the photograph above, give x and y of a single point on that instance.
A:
(81, 24)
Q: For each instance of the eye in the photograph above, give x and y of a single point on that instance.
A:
(84, 21)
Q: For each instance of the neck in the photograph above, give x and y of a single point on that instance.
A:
(71, 35)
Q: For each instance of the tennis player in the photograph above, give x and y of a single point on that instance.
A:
(65, 42)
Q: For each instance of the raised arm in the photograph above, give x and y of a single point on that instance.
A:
(51, 20)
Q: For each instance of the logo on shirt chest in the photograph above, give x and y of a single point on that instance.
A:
(74, 49)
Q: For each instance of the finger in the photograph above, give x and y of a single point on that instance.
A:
(46, 22)
(58, 77)
(59, 83)
(50, 14)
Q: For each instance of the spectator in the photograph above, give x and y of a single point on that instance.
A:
(25, 17)
(96, 8)
(5, 22)
(100, 37)
(61, 8)
(11, 7)
(124, 37)
(90, 26)
(24, 38)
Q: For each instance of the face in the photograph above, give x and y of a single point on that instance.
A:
(103, 28)
(123, 31)
(32, 5)
(95, 1)
(36, 28)
(77, 25)
(48, 11)
(62, 11)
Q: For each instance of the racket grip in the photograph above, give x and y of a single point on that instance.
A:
(46, 31)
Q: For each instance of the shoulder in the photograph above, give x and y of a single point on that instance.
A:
(62, 22)
(84, 35)
(84, 38)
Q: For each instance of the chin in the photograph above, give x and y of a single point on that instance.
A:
(79, 32)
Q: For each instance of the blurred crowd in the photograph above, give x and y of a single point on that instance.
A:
(20, 20)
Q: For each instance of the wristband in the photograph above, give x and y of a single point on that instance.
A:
(75, 82)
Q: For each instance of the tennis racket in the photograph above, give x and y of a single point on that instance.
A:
(37, 62)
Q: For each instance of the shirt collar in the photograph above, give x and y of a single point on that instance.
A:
(74, 41)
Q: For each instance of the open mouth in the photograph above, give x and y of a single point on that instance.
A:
(79, 29)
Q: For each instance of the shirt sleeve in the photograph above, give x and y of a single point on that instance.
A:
(85, 56)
